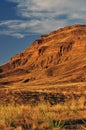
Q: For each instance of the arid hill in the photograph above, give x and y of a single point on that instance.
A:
(58, 57)
(44, 87)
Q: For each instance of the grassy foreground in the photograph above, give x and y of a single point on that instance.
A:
(43, 107)
(69, 115)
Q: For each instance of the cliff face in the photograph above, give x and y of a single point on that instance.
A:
(60, 55)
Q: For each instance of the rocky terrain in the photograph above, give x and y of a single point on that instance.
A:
(60, 55)
(50, 75)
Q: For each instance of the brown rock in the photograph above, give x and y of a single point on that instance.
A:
(60, 54)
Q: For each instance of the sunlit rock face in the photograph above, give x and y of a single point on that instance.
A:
(60, 55)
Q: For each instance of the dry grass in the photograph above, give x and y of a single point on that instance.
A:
(42, 116)
(19, 112)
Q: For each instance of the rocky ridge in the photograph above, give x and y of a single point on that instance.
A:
(60, 55)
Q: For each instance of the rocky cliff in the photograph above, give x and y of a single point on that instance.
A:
(60, 55)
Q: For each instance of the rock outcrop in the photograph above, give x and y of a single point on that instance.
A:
(60, 55)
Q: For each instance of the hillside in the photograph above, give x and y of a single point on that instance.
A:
(60, 55)
(44, 87)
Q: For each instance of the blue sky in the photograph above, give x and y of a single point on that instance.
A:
(23, 21)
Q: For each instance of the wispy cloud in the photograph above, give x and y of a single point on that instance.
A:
(43, 16)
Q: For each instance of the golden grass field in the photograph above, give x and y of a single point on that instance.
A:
(43, 107)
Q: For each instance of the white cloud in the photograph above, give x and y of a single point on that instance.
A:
(44, 16)
(11, 33)
(47, 8)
